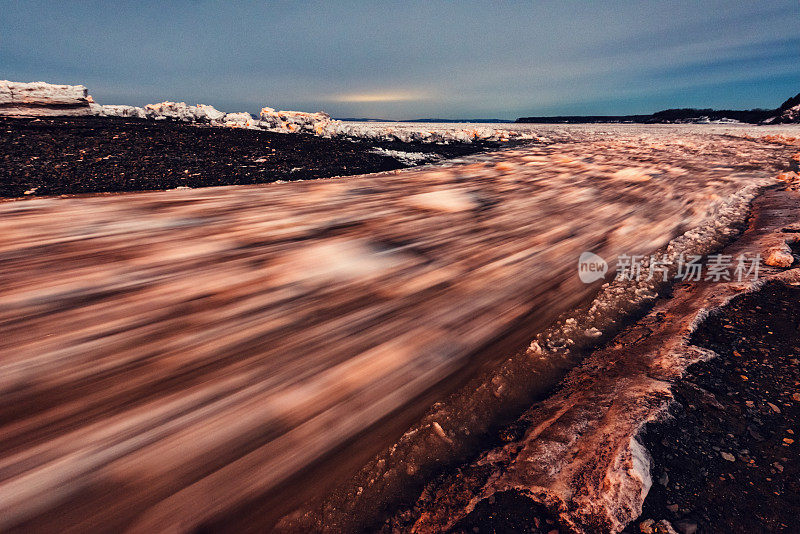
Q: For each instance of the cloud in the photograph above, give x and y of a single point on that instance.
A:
(414, 58)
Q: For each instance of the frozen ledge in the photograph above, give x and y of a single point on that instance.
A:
(42, 99)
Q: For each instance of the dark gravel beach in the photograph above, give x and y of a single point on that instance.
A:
(728, 460)
(89, 155)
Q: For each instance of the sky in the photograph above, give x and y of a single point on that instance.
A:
(405, 60)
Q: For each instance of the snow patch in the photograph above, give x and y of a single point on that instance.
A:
(408, 158)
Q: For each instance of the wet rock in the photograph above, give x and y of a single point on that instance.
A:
(780, 256)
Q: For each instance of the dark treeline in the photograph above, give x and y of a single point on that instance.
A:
(752, 116)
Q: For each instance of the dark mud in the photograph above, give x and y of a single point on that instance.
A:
(728, 460)
(100, 154)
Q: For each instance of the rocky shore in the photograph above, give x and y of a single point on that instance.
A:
(75, 155)
(726, 459)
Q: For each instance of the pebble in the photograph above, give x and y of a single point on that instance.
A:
(686, 527)
(728, 456)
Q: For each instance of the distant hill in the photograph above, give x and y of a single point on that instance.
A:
(788, 112)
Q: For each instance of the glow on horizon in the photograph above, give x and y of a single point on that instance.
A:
(394, 96)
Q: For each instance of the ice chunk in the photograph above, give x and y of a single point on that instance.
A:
(182, 112)
(40, 99)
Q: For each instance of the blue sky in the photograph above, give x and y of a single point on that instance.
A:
(412, 59)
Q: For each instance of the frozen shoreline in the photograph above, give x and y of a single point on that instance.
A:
(40, 99)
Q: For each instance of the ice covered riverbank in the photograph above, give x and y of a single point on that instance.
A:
(40, 99)
(714, 177)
